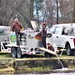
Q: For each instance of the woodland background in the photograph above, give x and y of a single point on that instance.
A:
(48, 11)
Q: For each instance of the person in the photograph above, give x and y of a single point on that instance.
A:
(43, 33)
(41, 36)
(17, 27)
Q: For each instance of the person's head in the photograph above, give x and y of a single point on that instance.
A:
(16, 20)
(43, 26)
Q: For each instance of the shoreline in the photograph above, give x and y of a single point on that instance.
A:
(36, 65)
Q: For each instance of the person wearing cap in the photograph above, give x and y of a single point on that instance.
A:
(17, 27)
(43, 34)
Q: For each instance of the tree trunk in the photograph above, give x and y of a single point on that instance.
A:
(57, 21)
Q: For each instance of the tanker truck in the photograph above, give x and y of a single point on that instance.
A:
(29, 44)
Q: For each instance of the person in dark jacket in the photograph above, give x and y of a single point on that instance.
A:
(43, 34)
(17, 27)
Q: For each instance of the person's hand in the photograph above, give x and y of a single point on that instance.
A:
(22, 29)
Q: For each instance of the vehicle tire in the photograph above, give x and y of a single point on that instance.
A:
(13, 52)
(0, 47)
(69, 52)
(19, 53)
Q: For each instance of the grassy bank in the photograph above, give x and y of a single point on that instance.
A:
(7, 56)
(4, 55)
(38, 63)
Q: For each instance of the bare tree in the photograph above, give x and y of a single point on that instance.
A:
(62, 10)
(65, 10)
(57, 10)
(21, 8)
(50, 11)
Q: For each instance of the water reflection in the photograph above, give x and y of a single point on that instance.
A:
(71, 73)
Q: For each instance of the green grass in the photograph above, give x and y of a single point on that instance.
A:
(4, 55)
(7, 70)
(35, 69)
(8, 55)
(41, 69)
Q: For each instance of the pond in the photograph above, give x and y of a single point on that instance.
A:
(71, 73)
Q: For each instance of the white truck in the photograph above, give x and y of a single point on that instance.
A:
(64, 36)
(4, 33)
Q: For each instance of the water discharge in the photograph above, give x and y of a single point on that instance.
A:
(60, 61)
(63, 68)
(54, 53)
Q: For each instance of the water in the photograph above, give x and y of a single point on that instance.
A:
(60, 62)
(63, 69)
(72, 73)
